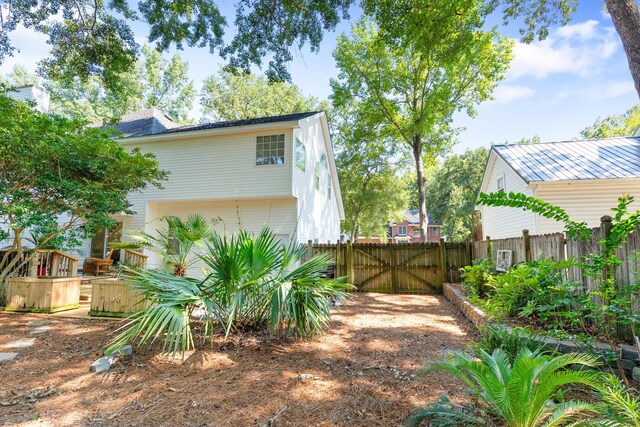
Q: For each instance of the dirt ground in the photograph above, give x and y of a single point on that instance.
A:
(364, 372)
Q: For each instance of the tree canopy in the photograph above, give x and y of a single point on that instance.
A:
(59, 177)
(236, 96)
(156, 81)
(451, 193)
(615, 125)
(96, 37)
(411, 82)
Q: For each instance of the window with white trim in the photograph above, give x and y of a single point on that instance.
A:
(500, 184)
(402, 230)
(270, 150)
(317, 176)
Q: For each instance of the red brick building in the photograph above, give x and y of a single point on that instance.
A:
(408, 230)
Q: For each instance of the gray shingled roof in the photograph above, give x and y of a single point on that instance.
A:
(244, 122)
(145, 122)
(413, 217)
(574, 160)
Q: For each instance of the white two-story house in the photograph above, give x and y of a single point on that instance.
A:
(274, 171)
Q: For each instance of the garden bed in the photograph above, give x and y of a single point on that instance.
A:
(43, 294)
(628, 354)
(363, 372)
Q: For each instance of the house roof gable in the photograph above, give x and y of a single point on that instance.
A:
(605, 158)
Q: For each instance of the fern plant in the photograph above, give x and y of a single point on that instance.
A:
(520, 392)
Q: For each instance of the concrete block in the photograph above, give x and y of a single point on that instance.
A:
(5, 357)
(105, 362)
(40, 330)
(635, 373)
(21, 343)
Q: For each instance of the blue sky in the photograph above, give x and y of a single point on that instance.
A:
(554, 88)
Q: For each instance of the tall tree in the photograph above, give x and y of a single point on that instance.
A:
(414, 80)
(96, 38)
(452, 190)
(373, 193)
(60, 179)
(235, 96)
(156, 82)
(19, 76)
(616, 125)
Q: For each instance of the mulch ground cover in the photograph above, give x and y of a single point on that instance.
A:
(365, 371)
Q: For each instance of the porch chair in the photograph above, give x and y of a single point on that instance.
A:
(97, 266)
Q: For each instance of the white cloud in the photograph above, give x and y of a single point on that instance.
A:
(506, 93)
(579, 49)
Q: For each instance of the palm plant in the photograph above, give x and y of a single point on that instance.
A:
(250, 280)
(520, 393)
(176, 242)
(619, 408)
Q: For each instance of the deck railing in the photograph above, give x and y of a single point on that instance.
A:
(45, 263)
(134, 258)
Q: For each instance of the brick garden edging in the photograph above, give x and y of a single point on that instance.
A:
(629, 354)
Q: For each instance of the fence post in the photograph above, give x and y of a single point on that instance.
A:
(349, 262)
(309, 249)
(443, 261)
(338, 259)
(490, 250)
(527, 245)
(469, 253)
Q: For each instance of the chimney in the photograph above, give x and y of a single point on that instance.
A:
(32, 93)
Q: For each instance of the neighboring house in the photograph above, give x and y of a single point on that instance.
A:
(274, 171)
(31, 93)
(585, 178)
(408, 230)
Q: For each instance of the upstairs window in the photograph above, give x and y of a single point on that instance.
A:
(416, 231)
(317, 176)
(402, 230)
(270, 150)
(301, 155)
(501, 184)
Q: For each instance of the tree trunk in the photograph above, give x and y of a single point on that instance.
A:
(626, 19)
(422, 207)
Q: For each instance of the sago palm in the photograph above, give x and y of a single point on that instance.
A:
(521, 392)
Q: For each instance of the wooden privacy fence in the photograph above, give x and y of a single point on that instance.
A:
(396, 268)
(557, 246)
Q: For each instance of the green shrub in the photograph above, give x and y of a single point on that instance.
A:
(512, 290)
(519, 392)
(475, 277)
(511, 341)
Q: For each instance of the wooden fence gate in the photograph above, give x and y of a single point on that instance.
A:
(397, 268)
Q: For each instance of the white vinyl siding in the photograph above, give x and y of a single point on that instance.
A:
(585, 200)
(502, 222)
(318, 214)
(250, 215)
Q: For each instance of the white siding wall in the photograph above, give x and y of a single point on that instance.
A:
(502, 222)
(318, 216)
(32, 93)
(278, 213)
(585, 200)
